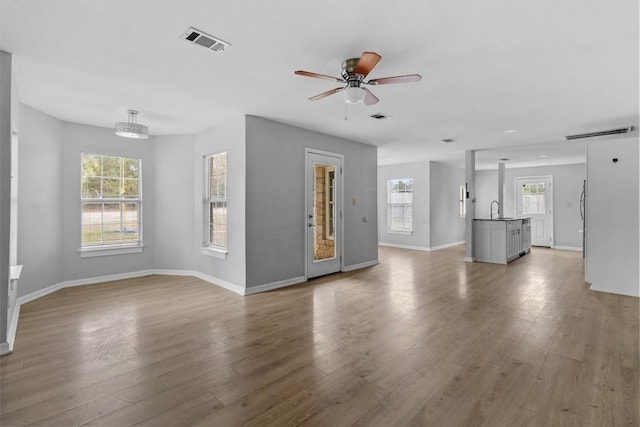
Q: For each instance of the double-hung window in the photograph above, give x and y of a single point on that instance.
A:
(216, 202)
(111, 203)
(400, 205)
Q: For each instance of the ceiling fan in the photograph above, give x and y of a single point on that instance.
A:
(354, 71)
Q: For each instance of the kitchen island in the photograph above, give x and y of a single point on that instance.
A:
(501, 240)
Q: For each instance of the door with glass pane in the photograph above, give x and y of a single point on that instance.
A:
(323, 213)
(535, 200)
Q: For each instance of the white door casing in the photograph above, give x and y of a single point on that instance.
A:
(534, 199)
(319, 260)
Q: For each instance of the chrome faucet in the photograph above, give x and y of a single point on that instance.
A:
(497, 210)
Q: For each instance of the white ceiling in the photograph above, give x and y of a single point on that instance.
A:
(546, 68)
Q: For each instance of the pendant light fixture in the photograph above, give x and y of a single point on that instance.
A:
(131, 128)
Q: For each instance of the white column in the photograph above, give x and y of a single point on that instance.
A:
(500, 190)
(470, 177)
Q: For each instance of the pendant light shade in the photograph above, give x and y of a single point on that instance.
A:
(131, 128)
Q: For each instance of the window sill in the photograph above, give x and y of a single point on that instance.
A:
(214, 252)
(110, 250)
(406, 233)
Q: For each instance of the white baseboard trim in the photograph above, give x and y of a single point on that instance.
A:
(568, 248)
(414, 248)
(615, 291)
(165, 272)
(13, 327)
(80, 282)
(274, 285)
(5, 348)
(219, 282)
(447, 245)
(421, 248)
(469, 259)
(347, 268)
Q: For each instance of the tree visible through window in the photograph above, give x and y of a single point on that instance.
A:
(110, 200)
(400, 204)
(216, 200)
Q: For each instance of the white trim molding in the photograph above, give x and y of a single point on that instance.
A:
(567, 248)
(366, 264)
(422, 248)
(395, 245)
(214, 252)
(13, 326)
(219, 282)
(447, 245)
(274, 285)
(91, 252)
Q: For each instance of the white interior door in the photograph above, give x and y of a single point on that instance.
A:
(535, 200)
(323, 213)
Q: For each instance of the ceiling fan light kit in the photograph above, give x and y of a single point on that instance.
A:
(354, 95)
(131, 128)
(354, 71)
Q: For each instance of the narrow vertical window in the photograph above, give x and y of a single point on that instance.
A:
(216, 201)
(462, 201)
(330, 180)
(110, 201)
(400, 205)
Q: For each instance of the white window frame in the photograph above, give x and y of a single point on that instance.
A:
(462, 201)
(390, 206)
(105, 247)
(209, 247)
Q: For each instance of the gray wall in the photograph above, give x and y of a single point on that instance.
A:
(446, 225)
(276, 199)
(419, 172)
(41, 213)
(612, 254)
(436, 217)
(174, 202)
(567, 184)
(229, 137)
(75, 140)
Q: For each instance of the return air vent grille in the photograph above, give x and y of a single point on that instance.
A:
(600, 133)
(203, 39)
(380, 116)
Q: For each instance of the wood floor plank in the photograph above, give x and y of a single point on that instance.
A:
(423, 338)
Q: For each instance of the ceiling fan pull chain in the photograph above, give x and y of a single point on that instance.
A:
(345, 112)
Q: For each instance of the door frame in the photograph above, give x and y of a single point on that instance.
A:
(339, 242)
(551, 208)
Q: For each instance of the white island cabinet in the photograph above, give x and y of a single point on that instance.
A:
(501, 240)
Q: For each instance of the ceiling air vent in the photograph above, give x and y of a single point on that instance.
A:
(448, 140)
(600, 133)
(380, 116)
(203, 39)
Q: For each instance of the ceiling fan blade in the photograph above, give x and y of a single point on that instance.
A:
(370, 98)
(318, 76)
(397, 79)
(368, 60)
(325, 94)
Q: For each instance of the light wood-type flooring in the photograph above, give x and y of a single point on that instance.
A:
(421, 339)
